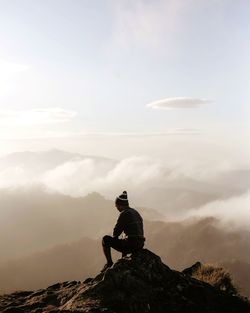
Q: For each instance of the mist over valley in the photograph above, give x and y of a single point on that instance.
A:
(52, 234)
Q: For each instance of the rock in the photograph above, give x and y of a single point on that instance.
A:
(137, 284)
(190, 270)
(88, 280)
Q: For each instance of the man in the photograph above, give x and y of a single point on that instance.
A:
(131, 224)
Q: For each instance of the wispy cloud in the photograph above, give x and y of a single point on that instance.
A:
(178, 103)
(167, 132)
(36, 116)
(45, 134)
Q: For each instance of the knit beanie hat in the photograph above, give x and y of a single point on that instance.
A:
(122, 199)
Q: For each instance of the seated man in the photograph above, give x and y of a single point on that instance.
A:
(130, 222)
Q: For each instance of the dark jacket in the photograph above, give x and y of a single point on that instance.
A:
(130, 222)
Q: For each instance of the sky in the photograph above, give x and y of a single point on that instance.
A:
(118, 78)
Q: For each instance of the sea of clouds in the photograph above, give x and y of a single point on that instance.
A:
(77, 176)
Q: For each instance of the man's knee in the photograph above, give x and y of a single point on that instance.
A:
(106, 241)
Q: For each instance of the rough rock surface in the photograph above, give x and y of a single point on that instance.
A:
(137, 284)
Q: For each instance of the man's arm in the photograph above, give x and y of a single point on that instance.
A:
(119, 227)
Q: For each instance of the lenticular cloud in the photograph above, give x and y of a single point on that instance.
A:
(178, 103)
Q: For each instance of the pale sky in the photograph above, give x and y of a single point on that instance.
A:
(71, 67)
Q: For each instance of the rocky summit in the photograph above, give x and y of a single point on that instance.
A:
(140, 283)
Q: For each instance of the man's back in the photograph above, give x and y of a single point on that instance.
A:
(130, 222)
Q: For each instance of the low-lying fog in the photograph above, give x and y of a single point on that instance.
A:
(55, 206)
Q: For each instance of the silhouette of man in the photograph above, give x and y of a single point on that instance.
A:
(131, 224)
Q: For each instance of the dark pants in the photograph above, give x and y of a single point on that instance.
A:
(128, 245)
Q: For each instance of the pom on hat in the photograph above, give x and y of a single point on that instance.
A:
(122, 199)
(123, 196)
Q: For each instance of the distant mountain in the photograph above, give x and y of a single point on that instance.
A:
(176, 201)
(139, 284)
(183, 193)
(234, 181)
(33, 219)
(183, 243)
